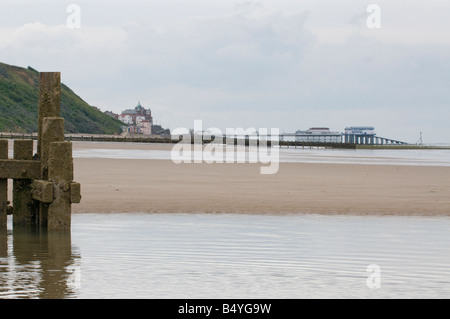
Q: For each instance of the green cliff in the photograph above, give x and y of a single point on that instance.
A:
(19, 94)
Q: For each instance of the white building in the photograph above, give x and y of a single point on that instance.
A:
(139, 119)
(360, 135)
(318, 134)
(360, 130)
(127, 119)
(145, 127)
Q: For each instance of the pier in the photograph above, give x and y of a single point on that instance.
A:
(344, 139)
(361, 139)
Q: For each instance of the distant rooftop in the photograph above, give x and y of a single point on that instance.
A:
(360, 128)
(134, 111)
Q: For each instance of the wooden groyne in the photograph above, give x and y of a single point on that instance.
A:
(159, 140)
(43, 186)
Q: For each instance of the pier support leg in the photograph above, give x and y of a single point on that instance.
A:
(3, 186)
(22, 200)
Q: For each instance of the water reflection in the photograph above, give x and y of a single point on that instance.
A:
(229, 255)
(37, 264)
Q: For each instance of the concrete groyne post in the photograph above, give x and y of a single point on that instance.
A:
(56, 190)
(23, 211)
(60, 173)
(3, 203)
(43, 186)
(3, 186)
(52, 130)
(49, 101)
(49, 106)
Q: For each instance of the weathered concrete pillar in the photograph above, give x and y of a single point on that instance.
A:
(22, 201)
(49, 107)
(3, 186)
(52, 131)
(49, 100)
(60, 172)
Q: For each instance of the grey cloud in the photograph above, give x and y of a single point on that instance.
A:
(253, 64)
(235, 51)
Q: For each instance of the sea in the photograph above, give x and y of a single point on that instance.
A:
(428, 157)
(291, 256)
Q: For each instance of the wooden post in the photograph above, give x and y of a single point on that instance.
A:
(22, 201)
(3, 203)
(3, 186)
(49, 101)
(43, 187)
(60, 173)
(49, 107)
(52, 131)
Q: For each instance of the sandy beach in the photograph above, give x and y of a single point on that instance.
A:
(161, 186)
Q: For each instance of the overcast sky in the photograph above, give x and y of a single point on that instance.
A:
(263, 64)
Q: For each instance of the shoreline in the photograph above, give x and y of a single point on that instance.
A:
(152, 140)
(161, 186)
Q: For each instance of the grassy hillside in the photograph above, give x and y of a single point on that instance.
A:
(19, 94)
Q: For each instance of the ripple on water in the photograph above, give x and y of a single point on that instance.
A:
(239, 256)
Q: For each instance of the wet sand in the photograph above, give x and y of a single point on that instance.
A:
(161, 186)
